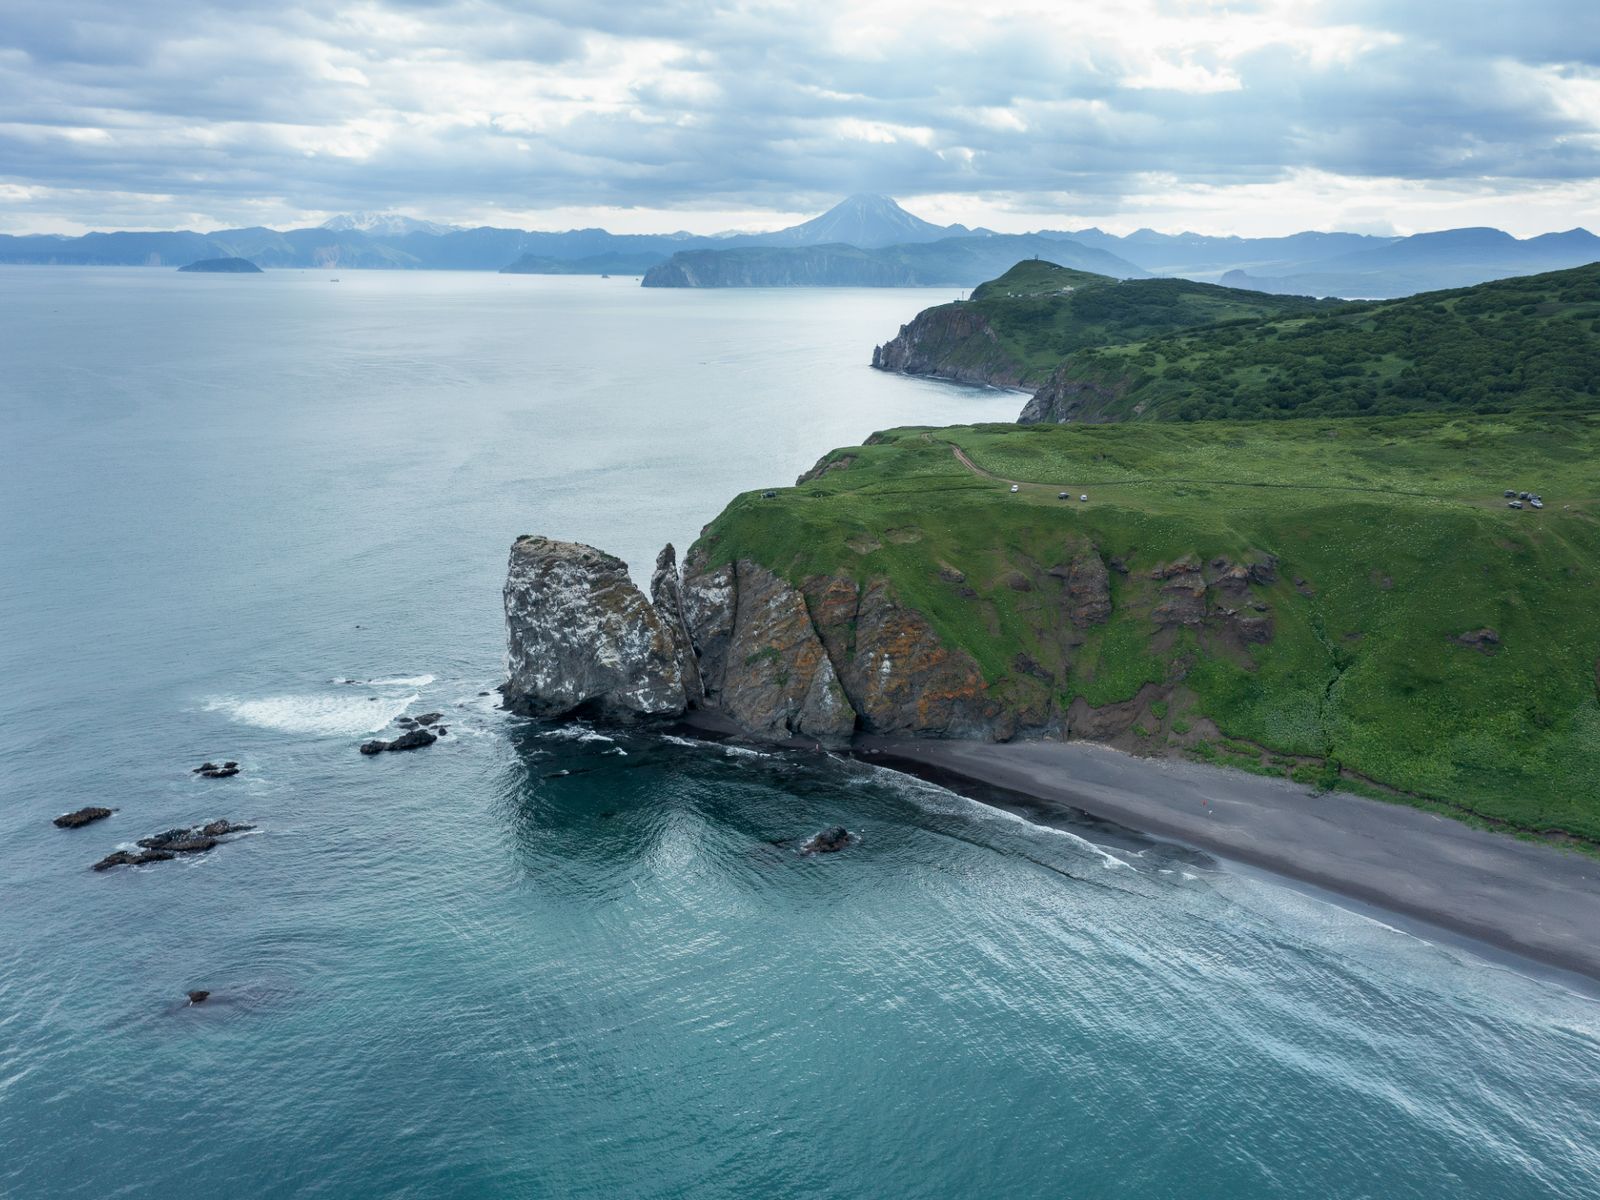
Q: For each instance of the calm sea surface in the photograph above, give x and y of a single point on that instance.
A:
(460, 973)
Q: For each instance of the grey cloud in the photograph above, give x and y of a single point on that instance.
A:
(759, 127)
(1534, 31)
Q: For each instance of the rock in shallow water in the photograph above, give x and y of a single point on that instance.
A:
(164, 846)
(187, 841)
(128, 858)
(218, 828)
(413, 739)
(829, 841)
(198, 996)
(82, 816)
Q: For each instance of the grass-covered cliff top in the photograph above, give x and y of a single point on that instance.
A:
(1392, 541)
(1040, 312)
(1530, 342)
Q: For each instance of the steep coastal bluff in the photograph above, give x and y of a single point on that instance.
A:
(833, 655)
(1348, 603)
(814, 662)
(954, 342)
(1015, 329)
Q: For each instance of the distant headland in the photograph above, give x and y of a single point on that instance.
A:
(223, 266)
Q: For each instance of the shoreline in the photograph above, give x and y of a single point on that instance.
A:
(1529, 901)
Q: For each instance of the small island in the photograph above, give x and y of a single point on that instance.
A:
(224, 266)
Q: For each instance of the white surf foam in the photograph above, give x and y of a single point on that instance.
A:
(575, 733)
(932, 796)
(330, 716)
(407, 681)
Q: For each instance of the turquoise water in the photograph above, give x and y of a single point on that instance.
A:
(460, 973)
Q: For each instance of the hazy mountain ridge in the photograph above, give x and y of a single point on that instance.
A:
(385, 224)
(871, 241)
(1449, 258)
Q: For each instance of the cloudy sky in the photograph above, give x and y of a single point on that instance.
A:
(1249, 117)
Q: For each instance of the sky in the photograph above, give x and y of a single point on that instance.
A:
(1260, 117)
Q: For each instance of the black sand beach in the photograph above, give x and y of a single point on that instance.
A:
(1539, 901)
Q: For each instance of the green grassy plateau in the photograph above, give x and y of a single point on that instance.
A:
(1528, 342)
(1391, 536)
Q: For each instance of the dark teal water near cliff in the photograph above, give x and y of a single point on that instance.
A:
(565, 962)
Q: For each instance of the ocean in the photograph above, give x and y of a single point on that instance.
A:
(259, 517)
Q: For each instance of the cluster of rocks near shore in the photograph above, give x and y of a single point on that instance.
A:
(165, 846)
(419, 732)
(169, 844)
(831, 656)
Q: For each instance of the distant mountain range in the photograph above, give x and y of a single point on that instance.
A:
(1426, 262)
(863, 240)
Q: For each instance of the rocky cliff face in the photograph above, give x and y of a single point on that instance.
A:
(832, 656)
(1066, 397)
(813, 663)
(952, 341)
(761, 658)
(581, 638)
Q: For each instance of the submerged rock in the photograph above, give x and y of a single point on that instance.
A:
(83, 816)
(160, 840)
(198, 996)
(829, 841)
(219, 828)
(581, 637)
(164, 846)
(128, 858)
(180, 841)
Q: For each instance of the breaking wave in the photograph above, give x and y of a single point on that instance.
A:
(329, 716)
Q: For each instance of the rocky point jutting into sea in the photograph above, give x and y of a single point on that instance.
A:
(829, 658)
